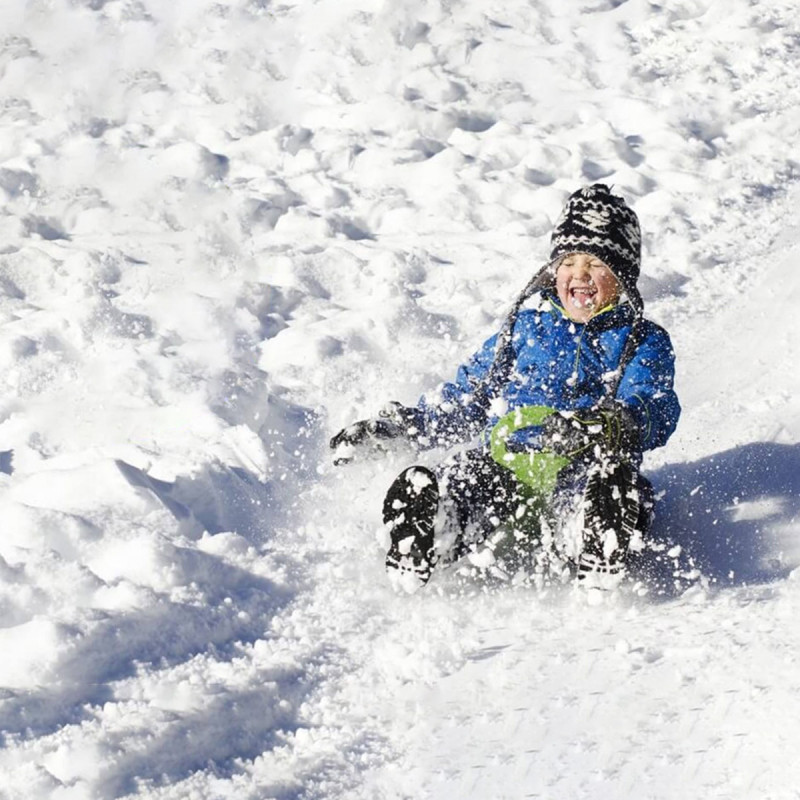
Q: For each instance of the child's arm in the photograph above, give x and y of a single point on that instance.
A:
(454, 414)
(646, 388)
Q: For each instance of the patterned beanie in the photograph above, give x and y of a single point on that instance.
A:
(597, 222)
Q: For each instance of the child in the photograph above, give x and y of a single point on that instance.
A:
(604, 373)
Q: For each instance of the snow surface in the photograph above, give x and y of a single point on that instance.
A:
(230, 228)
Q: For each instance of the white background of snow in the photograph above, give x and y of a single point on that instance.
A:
(229, 228)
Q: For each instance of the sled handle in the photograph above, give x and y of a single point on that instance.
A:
(537, 469)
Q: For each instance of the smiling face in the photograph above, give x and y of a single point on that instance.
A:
(585, 285)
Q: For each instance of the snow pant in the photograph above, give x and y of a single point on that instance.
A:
(477, 496)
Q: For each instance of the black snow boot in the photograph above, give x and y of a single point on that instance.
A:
(617, 508)
(409, 510)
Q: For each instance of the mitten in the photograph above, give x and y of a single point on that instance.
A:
(369, 437)
(570, 433)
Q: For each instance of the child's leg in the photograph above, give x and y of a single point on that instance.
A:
(470, 491)
(478, 496)
(604, 510)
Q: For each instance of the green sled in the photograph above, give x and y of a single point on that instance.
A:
(537, 469)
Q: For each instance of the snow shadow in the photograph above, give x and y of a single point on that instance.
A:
(219, 498)
(168, 632)
(735, 515)
(7, 462)
(233, 727)
(227, 497)
(237, 603)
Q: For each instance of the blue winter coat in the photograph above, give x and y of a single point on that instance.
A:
(568, 366)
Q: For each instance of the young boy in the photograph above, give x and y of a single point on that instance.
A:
(588, 380)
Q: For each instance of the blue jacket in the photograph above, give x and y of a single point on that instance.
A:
(565, 365)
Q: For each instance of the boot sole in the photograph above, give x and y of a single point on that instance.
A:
(410, 509)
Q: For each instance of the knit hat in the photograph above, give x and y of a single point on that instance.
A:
(597, 222)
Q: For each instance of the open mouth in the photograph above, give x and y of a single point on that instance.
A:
(582, 296)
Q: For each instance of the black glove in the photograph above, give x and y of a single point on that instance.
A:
(370, 436)
(570, 433)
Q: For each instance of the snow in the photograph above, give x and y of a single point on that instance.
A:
(230, 228)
